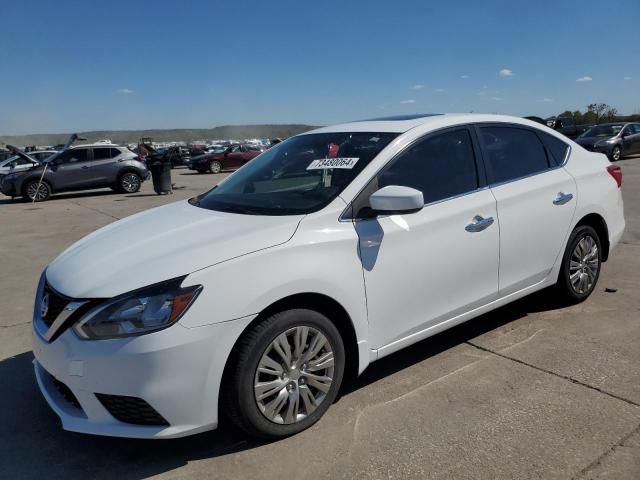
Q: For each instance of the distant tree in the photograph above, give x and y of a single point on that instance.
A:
(578, 117)
(566, 113)
(602, 112)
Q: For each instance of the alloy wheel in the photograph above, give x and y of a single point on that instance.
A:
(616, 154)
(215, 167)
(294, 375)
(584, 265)
(37, 191)
(130, 182)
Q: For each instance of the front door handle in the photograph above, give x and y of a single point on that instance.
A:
(563, 198)
(84, 167)
(479, 223)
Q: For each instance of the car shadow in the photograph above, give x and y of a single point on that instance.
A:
(63, 196)
(35, 446)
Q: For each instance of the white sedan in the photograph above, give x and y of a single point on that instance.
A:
(327, 252)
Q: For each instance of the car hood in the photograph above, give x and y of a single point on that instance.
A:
(591, 141)
(160, 244)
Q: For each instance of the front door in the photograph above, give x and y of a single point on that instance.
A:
(71, 170)
(424, 268)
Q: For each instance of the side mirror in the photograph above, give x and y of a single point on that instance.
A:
(395, 199)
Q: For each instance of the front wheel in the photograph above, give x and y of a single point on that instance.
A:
(285, 374)
(37, 191)
(616, 154)
(581, 265)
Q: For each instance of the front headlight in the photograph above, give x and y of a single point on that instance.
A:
(611, 141)
(139, 312)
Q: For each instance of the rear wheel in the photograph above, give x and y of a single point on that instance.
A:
(285, 374)
(215, 166)
(129, 182)
(37, 191)
(581, 265)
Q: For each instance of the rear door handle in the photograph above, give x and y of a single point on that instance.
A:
(479, 223)
(563, 198)
(84, 167)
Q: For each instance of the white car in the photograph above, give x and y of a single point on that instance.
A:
(327, 252)
(18, 163)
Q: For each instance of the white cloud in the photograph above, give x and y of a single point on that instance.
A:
(417, 86)
(411, 100)
(505, 72)
(627, 78)
(125, 91)
(586, 78)
(439, 90)
(548, 100)
(464, 77)
(497, 99)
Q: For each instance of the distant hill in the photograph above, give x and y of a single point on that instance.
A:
(238, 132)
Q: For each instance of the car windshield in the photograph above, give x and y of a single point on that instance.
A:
(603, 131)
(298, 176)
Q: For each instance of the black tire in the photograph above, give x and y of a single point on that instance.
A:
(616, 154)
(129, 182)
(239, 401)
(215, 166)
(34, 188)
(566, 287)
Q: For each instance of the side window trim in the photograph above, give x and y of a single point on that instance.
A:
(350, 213)
(551, 165)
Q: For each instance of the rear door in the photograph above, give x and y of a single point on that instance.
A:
(536, 200)
(72, 169)
(104, 165)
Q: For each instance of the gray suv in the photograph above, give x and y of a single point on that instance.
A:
(80, 167)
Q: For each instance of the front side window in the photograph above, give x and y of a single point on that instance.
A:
(300, 175)
(441, 167)
(603, 131)
(512, 153)
(72, 156)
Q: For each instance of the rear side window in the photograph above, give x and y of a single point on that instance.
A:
(101, 153)
(556, 147)
(512, 153)
(441, 166)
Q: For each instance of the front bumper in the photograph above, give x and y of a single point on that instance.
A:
(177, 371)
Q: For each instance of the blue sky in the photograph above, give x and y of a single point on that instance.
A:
(111, 64)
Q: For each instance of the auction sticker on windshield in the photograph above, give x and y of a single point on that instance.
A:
(338, 162)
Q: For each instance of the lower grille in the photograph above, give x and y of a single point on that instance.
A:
(66, 392)
(131, 410)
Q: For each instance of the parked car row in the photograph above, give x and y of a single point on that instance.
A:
(79, 167)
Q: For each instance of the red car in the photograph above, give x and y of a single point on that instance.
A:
(232, 158)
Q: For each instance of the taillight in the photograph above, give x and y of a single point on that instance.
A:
(616, 173)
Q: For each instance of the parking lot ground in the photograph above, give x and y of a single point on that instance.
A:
(531, 390)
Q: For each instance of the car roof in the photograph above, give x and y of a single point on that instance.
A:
(94, 145)
(404, 123)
